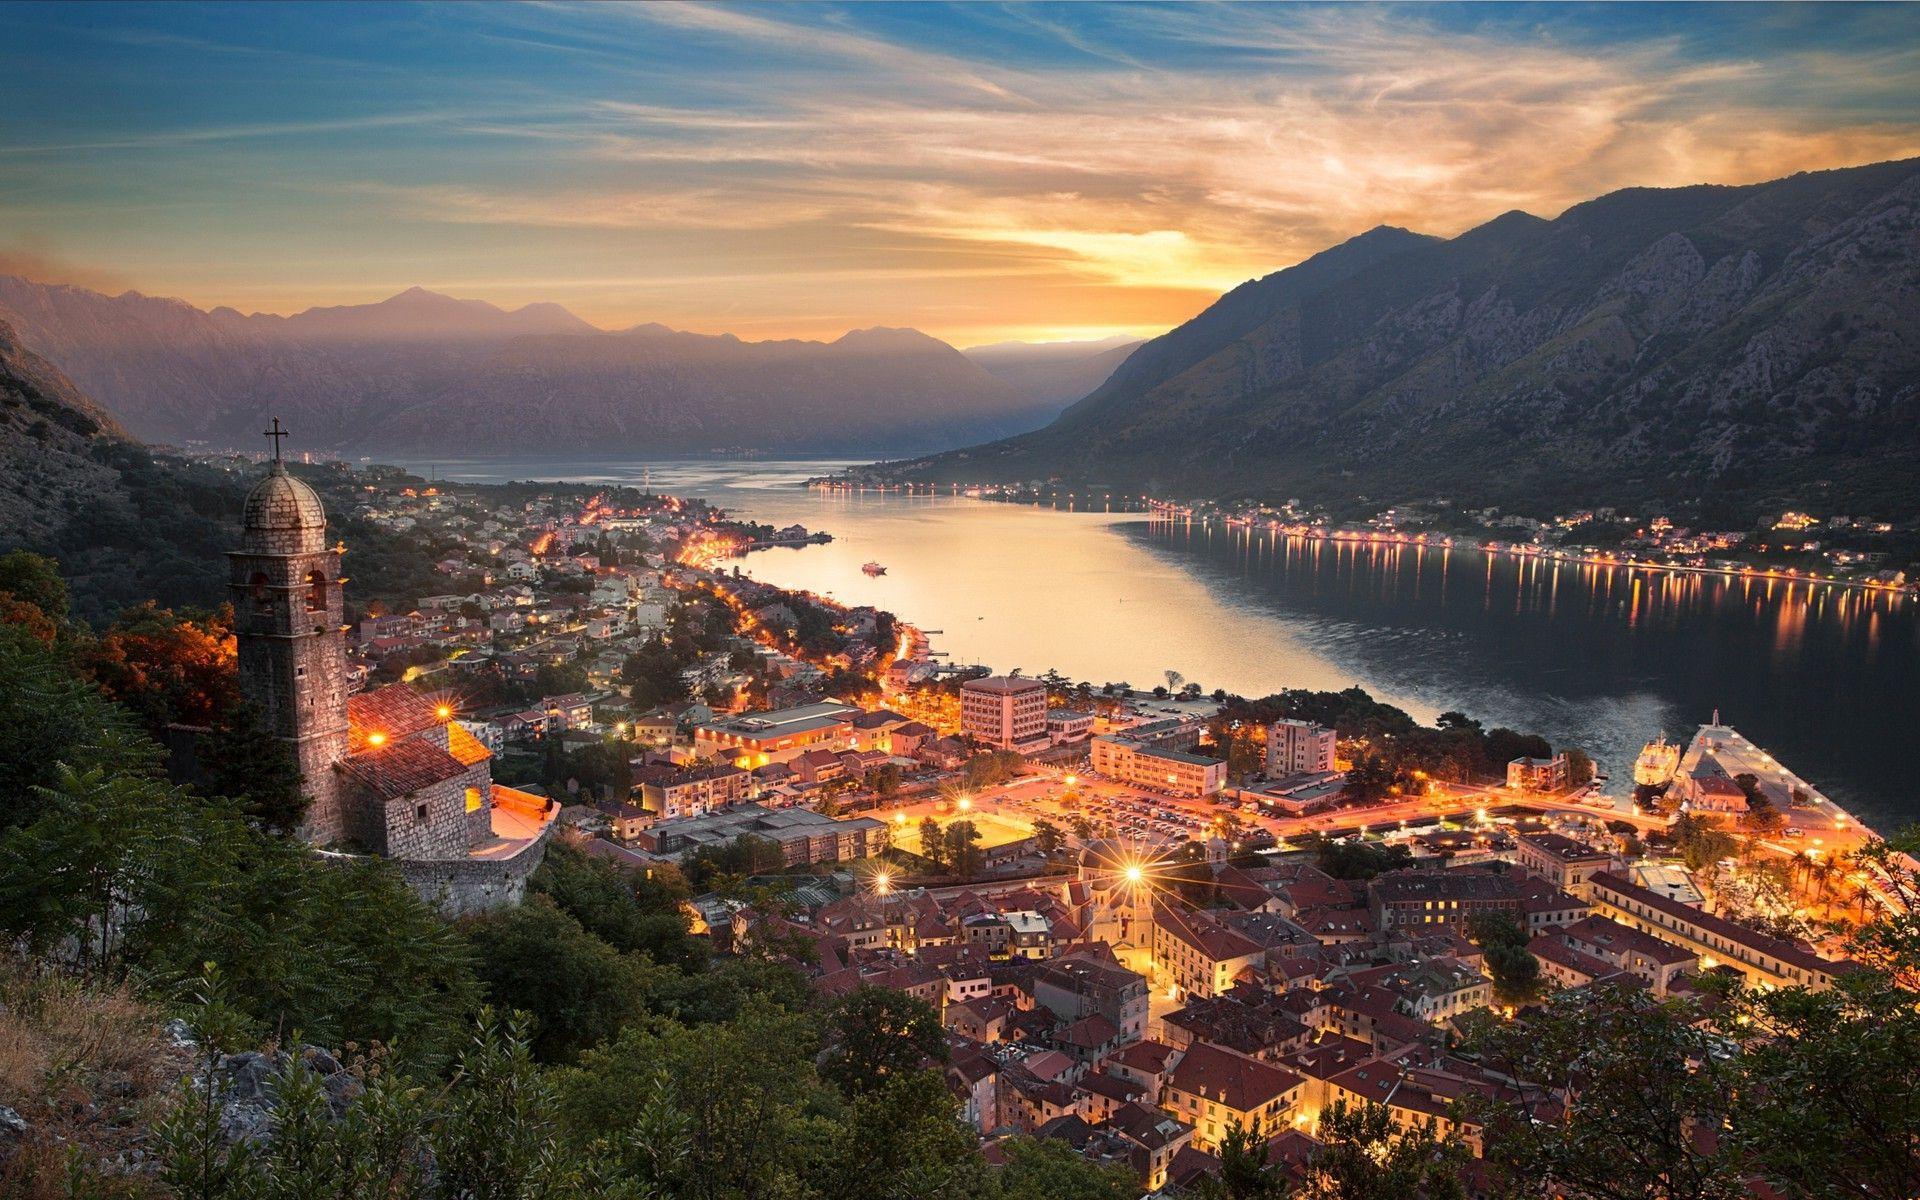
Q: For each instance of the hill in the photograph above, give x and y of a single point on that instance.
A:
(423, 372)
(1726, 345)
(1054, 373)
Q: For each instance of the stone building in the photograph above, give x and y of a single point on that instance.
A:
(389, 772)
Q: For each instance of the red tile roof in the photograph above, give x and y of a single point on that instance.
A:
(396, 769)
(1233, 1080)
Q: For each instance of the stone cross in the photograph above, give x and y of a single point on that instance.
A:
(276, 433)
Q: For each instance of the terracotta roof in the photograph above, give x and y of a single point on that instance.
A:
(1773, 947)
(1230, 1079)
(464, 746)
(1214, 941)
(1148, 1057)
(397, 711)
(397, 769)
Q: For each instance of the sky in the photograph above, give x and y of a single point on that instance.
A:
(981, 172)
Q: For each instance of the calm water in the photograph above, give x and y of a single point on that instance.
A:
(1601, 659)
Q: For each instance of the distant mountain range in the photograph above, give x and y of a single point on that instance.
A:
(1054, 373)
(1709, 346)
(426, 373)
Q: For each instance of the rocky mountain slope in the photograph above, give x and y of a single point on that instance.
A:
(49, 433)
(1728, 345)
(429, 373)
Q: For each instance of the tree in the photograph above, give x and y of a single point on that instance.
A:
(903, 1141)
(1047, 838)
(1515, 971)
(578, 990)
(964, 856)
(49, 718)
(879, 1034)
(933, 841)
(1612, 1089)
(1365, 1156)
(708, 1113)
(242, 759)
(35, 579)
(1245, 1173)
(1050, 1170)
(1579, 768)
(635, 913)
(168, 667)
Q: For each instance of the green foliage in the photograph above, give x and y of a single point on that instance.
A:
(1050, 1170)
(879, 1035)
(1515, 971)
(1344, 859)
(242, 759)
(579, 990)
(635, 912)
(49, 716)
(1644, 1078)
(35, 578)
(1365, 1156)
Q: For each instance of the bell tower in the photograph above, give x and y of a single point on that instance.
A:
(285, 586)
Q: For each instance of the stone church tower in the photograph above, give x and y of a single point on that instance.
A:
(285, 585)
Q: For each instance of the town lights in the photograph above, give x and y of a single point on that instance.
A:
(881, 883)
(964, 804)
(443, 712)
(376, 739)
(1135, 874)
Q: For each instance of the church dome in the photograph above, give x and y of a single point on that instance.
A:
(283, 516)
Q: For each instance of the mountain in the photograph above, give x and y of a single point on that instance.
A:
(1719, 345)
(48, 434)
(426, 373)
(1054, 373)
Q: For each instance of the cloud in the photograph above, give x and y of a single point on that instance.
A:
(1294, 129)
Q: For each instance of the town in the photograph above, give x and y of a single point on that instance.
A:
(1790, 546)
(1148, 920)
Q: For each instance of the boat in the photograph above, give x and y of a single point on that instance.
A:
(1657, 763)
(874, 568)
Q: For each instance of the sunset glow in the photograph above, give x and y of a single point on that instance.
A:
(978, 173)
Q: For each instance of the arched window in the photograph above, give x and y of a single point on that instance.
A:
(316, 591)
(262, 598)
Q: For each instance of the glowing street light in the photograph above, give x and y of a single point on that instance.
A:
(376, 739)
(882, 883)
(1135, 874)
(444, 711)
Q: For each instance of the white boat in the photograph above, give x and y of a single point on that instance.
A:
(1657, 763)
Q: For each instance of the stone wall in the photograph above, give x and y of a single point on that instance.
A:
(475, 885)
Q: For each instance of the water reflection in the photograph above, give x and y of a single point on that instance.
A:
(1595, 655)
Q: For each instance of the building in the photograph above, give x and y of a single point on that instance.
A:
(673, 792)
(1716, 940)
(803, 836)
(1298, 748)
(1006, 712)
(1213, 1090)
(387, 772)
(777, 735)
(1415, 900)
(1155, 768)
(1197, 955)
(1539, 775)
(1561, 861)
(1065, 725)
(1078, 987)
